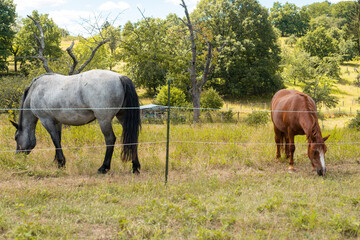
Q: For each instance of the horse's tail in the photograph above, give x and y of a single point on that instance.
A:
(131, 121)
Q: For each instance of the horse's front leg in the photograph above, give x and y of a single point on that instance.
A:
(110, 139)
(291, 151)
(54, 130)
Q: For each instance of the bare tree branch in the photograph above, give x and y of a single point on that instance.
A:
(92, 55)
(73, 57)
(41, 45)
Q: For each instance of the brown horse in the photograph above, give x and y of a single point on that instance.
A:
(294, 113)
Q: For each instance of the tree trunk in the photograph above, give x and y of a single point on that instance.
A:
(195, 94)
(15, 63)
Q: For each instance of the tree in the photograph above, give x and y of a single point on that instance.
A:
(318, 9)
(354, 26)
(343, 10)
(316, 76)
(177, 97)
(7, 22)
(319, 43)
(289, 19)
(39, 44)
(197, 83)
(320, 89)
(114, 35)
(249, 59)
(143, 49)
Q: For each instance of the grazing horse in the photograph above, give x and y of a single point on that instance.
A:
(294, 113)
(77, 100)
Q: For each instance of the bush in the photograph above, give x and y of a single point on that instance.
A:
(257, 118)
(355, 122)
(11, 91)
(177, 97)
(211, 99)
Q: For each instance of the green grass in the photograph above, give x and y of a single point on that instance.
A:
(223, 184)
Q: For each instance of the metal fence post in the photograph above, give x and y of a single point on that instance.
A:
(167, 136)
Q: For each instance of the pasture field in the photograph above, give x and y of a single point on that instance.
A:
(223, 183)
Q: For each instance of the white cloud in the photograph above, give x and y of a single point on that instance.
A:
(70, 19)
(37, 4)
(109, 5)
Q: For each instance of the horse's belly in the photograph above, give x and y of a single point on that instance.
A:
(75, 118)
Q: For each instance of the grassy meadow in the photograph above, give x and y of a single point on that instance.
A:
(223, 183)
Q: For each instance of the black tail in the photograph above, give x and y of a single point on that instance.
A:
(131, 121)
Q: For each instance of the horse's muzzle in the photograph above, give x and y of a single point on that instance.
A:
(321, 172)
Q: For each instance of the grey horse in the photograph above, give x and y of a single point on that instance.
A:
(77, 100)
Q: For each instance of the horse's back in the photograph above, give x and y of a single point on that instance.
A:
(99, 92)
(286, 107)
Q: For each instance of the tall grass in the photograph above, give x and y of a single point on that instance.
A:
(223, 183)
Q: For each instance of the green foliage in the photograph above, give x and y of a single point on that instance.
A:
(317, 77)
(211, 99)
(177, 97)
(292, 40)
(249, 59)
(347, 49)
(27, 43)
(319, 43)
(318, 9)
(289, 19)
(7, 23)
(12, 88)
(257, 118)
(83, 50)
(320, 89)
(355, 122)
(145, 52)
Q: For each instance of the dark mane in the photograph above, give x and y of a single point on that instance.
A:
(26, 93)
(312, 111)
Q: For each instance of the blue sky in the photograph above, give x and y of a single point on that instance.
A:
(68, 14)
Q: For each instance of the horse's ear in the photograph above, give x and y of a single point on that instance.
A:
(325, 138)
(14, 124)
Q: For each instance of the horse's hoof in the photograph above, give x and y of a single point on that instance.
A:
(61, 165)
(291, 170)
(136, 172)
(102, 171)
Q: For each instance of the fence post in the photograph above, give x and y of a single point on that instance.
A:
(167, 136)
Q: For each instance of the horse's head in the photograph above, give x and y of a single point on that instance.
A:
(316, 153)
(24, 141)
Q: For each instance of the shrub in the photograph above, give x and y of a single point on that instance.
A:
(355, 122)
(211, 99)
(228, 116)
(11, 91)
(257, 118)
(177, 97)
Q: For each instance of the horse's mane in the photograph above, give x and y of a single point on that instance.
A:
(312, 111)
(26, 93)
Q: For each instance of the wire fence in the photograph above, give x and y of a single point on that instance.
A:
(351, 110)
(168, 141)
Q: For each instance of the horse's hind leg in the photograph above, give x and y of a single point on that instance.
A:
(60, 161)
(135, 162)
(107, 130)
(54, 130)
(136, 165)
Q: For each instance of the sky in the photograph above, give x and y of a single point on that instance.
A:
(70, 14)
